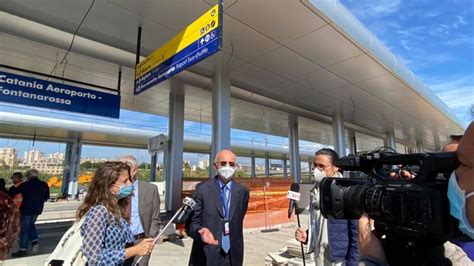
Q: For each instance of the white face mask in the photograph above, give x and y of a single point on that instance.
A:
(226, 171)
(457, 203)
(318, 175)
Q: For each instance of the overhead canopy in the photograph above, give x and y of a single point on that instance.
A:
(312, 58)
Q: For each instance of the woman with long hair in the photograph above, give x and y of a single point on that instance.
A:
(105, 229)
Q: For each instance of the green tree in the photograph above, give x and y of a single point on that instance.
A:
(86, 165)
(144, 166)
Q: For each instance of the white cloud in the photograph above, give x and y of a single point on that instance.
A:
(462, 40)
(380, 8)
(456, 92)
(405, 45)
(461, 20)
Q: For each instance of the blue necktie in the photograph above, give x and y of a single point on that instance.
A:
(225, 238)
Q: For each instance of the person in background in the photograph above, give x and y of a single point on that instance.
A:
(334, 242)
(144, 209)
(17, 179)
(35, 192)
(9, 225)
(461, 200)
(453, 143)
(2, 186)
(105, 228)
(216, 223)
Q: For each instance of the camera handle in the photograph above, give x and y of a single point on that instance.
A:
(413, 253)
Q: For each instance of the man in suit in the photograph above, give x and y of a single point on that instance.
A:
(217, 220)
(144, 208)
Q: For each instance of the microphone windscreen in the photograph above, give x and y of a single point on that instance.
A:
(295, 187)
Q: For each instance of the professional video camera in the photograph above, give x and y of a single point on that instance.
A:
(412, 212)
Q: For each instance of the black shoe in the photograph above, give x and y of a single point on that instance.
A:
(19, 254)
(34, 247)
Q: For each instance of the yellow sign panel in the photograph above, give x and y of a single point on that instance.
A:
(201, 26)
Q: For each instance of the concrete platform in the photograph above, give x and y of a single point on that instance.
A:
(257, 245)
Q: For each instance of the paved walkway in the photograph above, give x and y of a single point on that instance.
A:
(257, 245)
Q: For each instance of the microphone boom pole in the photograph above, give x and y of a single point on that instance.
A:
(299, 226)
(188, 202)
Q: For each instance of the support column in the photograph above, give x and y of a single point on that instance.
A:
(154, 156)
(436, 141)
(67, 169)
(211, 165)
(253, 172)
(352, 141)
(295, 166)
(74, 167)
(339, 134)
(390, 140)
(174, 173)
(267, 165)
(285, 168)
(310, 165)
(419, 147)
(220, 105)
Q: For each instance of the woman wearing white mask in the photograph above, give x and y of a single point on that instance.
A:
(333, 242)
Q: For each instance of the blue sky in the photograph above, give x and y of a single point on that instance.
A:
(435, 39)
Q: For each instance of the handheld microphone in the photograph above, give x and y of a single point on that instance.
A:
(188, 206)
(188, 203)
(294, 196)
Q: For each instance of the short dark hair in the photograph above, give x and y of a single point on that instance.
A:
(456, 138)
(328, 152)
(17, 174)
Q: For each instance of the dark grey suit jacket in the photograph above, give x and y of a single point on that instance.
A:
(208, 213)
(149, 208)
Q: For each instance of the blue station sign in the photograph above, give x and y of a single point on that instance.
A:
(42, 93)
(197, 41)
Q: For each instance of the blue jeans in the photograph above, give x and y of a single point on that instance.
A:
(28, 230)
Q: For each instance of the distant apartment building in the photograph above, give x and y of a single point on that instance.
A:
(244, 167)
(46, 168)
(56, 158)
(95, 160)
(203, 164)
(276, 166)
(8, 156)
(33, 156)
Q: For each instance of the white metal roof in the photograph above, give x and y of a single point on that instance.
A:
(313, 55)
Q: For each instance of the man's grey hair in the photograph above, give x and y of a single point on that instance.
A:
(129, 159)
(32, 173)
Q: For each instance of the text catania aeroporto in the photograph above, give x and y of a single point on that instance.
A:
(50, 87)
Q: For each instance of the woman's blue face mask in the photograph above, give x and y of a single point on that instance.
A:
(457, 204)
(124, 191)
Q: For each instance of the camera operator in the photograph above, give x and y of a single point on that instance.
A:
(460, 194)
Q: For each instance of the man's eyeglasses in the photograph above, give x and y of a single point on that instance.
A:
(319, 166)
(224, 163)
